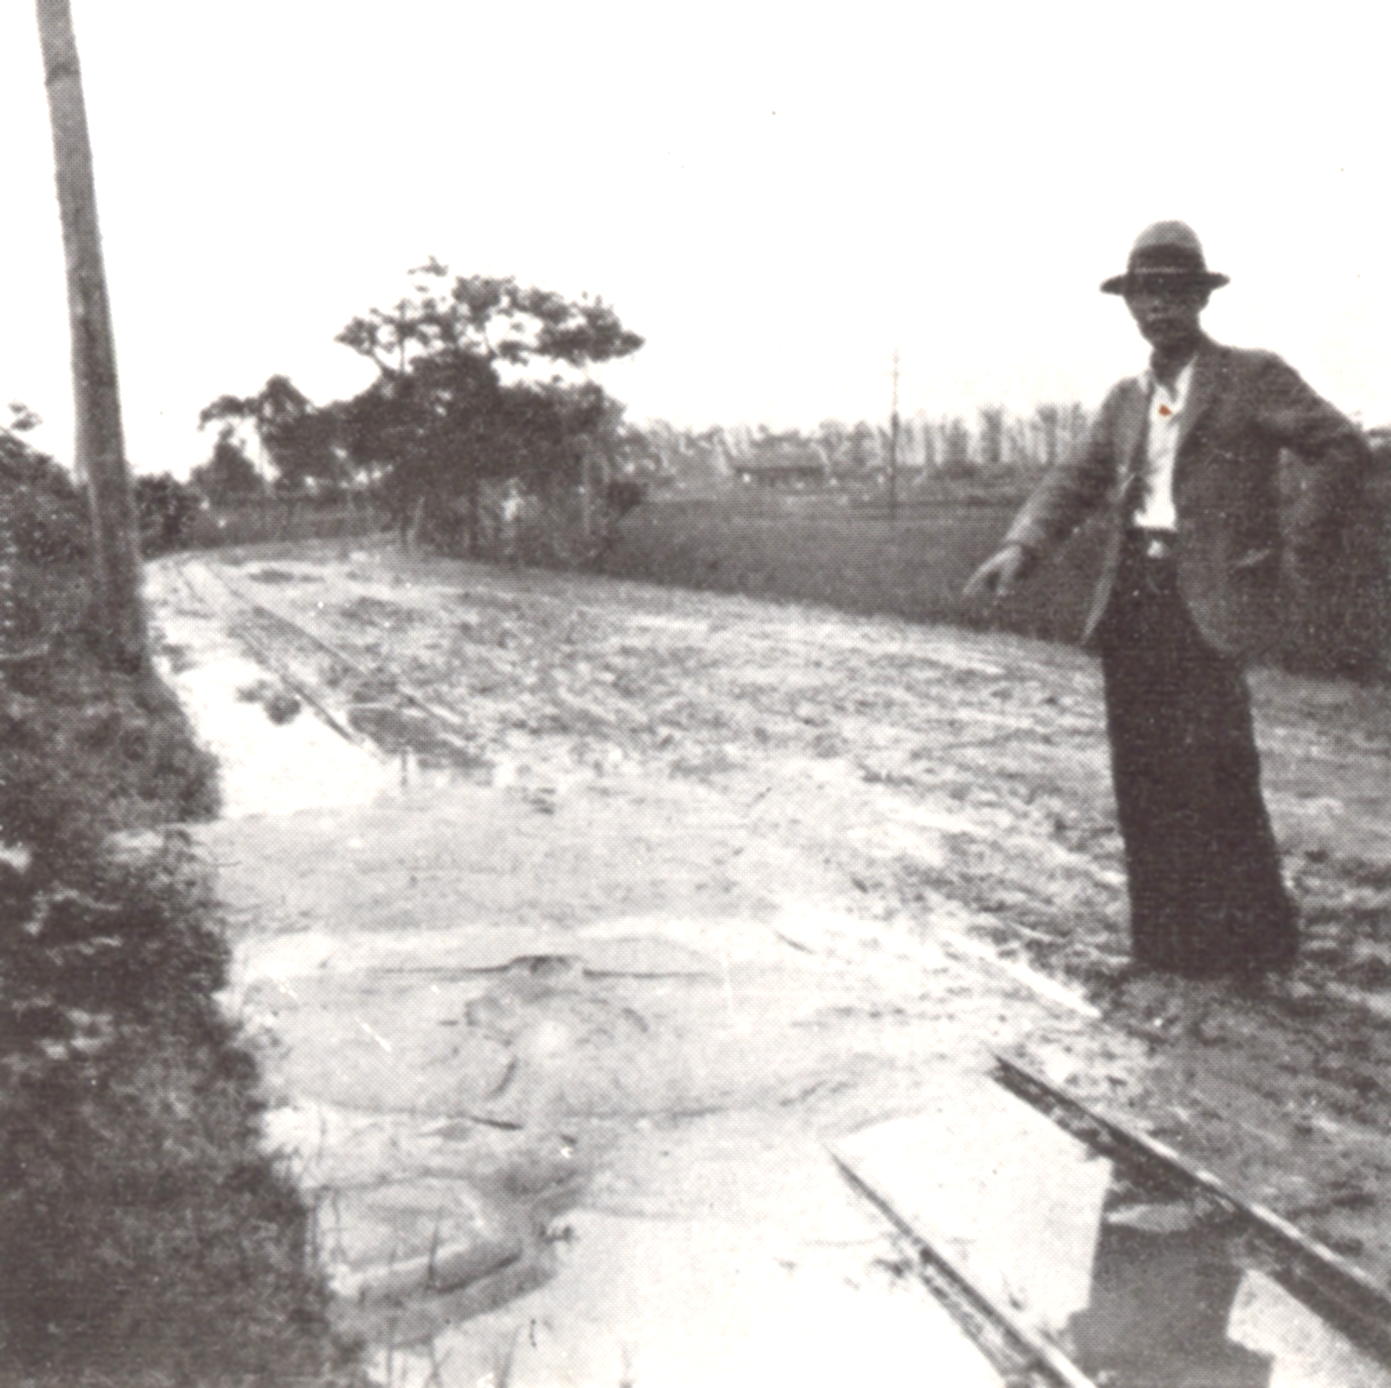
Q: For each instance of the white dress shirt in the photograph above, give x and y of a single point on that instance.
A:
(1166, 406)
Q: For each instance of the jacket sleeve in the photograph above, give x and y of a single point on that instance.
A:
(1333, 449)
(1072, 489)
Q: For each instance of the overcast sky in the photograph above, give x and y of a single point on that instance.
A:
(775, 195)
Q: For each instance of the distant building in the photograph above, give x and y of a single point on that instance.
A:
(782, 460)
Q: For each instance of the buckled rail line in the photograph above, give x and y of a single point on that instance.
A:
(1022, 1359)
(448, 726)
(1342, 1293)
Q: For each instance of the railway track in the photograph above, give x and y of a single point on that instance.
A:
(272, 636)
(1023, 1358)
(1259, 1302)
(1344, 1294)
(1027, 1351)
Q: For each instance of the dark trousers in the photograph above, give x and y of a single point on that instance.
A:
(1206, 893)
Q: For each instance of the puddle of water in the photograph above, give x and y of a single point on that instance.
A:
(276, 754)
(1139, 1286)
(269, 767)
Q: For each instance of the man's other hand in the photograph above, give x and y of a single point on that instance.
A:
(1001, 574)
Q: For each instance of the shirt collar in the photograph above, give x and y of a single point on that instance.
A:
(1179, 390)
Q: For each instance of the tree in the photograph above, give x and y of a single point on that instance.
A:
(1073, 425)
(453, 406)
(1046, 421)
(992, 435)
(298, 438)
(165, 508)
(834, 440)
(229, 473)
(493, 320)
(929, 445)
(956, 446)
(863, 448)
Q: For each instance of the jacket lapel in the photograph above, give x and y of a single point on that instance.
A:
(1130, 429)
(1202, 390)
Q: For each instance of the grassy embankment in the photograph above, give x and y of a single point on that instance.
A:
(147, 1239)
(828, 549)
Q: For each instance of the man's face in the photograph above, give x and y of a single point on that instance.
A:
(1167, 311)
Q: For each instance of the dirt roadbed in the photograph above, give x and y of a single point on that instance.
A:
(691, 884)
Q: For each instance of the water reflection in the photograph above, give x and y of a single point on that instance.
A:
(1140, 1287)
(1163, 1287)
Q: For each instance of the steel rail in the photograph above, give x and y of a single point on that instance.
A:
(267, 657)
(440, 714)
(1022, 1358)
(452, 723)
(1344, 1294)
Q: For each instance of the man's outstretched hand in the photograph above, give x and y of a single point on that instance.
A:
(1001, 574)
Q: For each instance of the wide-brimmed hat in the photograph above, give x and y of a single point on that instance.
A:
(1168, 252)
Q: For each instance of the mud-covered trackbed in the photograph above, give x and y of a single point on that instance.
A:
(898, 803)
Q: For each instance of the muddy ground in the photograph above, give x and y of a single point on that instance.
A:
(948, 790)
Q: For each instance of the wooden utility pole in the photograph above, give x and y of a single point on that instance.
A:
(893, 447)
(100, 446)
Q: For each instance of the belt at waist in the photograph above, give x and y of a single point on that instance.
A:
(1152, 544)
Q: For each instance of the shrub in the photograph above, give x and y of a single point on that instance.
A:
(624, 494)
(45, 509)
(165, 509)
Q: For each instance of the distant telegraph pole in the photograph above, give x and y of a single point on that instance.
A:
(893, 447)
(100, 451)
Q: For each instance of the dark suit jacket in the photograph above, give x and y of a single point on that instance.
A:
(1243, 407)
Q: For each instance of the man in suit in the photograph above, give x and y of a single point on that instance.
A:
(1184, 461)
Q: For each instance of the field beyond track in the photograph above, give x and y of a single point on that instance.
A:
(831, 548)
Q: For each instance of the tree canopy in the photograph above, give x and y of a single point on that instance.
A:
(487, 319)
(479, 380)
(229, 473)
(299, 439)
(461, 396)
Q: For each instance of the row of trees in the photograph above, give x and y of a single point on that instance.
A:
(855, 453)
(481, 389)
(480, 385)
(479, 381)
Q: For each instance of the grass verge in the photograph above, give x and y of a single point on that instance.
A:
(147, 1238)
